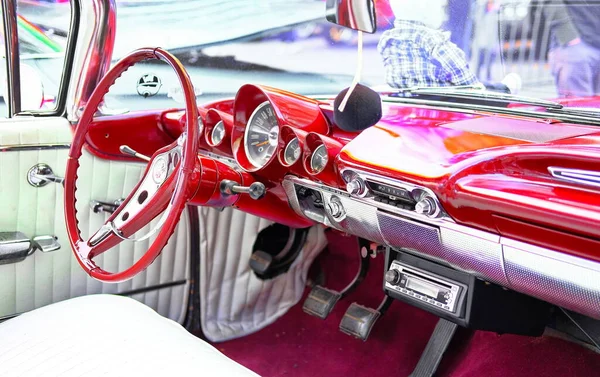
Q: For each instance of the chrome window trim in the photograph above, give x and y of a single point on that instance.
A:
(562, 279)
(33, 147)
(13, 66)
(13, 76)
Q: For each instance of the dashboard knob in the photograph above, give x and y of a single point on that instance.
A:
(392, 277)
(355, 186)
(335, 208)
(426, 206)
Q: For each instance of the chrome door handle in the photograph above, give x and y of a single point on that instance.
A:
(41, 174)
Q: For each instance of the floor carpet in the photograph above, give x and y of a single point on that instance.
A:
(300, 345)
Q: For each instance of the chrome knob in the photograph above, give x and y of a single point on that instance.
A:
(335, 208)
(392, 277)
(426, 206)
(355, 186)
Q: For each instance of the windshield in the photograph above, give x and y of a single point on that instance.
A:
(540, 49)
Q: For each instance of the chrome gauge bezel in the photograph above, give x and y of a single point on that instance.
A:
(267, 160)
(219, 126)
(287, 148)
(312, 159)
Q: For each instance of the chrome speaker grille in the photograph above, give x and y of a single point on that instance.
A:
(466, 252)
(567, 281)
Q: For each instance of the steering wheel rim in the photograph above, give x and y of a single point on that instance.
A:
(182, 180)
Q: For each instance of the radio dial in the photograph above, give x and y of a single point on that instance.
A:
(355, 186)
(392, 277)
(426, 206)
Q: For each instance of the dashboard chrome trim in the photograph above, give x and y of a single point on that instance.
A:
(564, 280)
(584, 177)
(348, 173)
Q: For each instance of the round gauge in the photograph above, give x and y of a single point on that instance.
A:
(292, 151)
(319, 159)
(218, 133)
(261, 135)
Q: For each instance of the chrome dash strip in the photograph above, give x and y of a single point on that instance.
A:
(584, 177)
(33, 147)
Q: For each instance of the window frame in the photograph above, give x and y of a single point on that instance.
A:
(9, 20)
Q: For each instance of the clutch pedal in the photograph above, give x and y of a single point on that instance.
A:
(321, 301)
(358, 321)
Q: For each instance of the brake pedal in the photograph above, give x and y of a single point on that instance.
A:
(321, 301)
(358, 321)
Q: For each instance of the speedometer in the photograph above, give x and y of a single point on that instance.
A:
(261, 135)
(319, 159)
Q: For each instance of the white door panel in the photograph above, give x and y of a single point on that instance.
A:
(44, 278)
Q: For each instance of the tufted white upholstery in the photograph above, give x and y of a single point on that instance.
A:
(234, 302)
(104, 335)
(45, 278)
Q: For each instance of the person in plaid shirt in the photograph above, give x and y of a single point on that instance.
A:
(417, 54)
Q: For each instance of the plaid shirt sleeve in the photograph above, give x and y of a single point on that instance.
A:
(415, 55)
(454, 64)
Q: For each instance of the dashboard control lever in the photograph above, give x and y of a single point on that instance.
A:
(256, 190)
(127, 150)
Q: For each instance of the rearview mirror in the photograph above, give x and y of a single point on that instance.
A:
(353, 14)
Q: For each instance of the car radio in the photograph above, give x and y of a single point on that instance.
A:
(425, 287)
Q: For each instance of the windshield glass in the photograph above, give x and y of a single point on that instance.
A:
(541, 49)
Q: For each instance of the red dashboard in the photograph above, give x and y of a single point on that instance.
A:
(517, 182)
(489, 171)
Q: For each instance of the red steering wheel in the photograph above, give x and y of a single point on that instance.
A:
(169, 181)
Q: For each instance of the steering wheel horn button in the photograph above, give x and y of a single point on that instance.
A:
(160, 168)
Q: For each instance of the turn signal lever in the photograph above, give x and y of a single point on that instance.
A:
(256, 190)
(127, 150)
